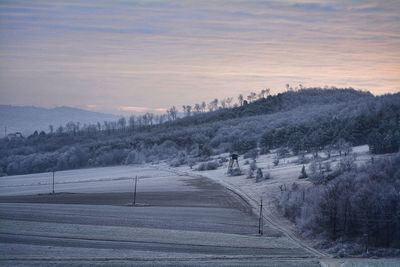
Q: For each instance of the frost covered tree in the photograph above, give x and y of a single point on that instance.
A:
(263, 93)
(203, 106)
(134, 157)
(259, 175)
(355, 203)
(213, 105)
(343, 147)
(148, 119)
(161, 118)
(228, 101)
(188, 110)
(122, 123)
(250, 173)
(388, 142)
(303, 173)
(253, 165)
(72, 127)
(251, 97)
(252, 169)
(197, 108)
(172, 113)
(240, 99)
(223, 103)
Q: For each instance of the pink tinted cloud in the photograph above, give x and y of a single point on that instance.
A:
(182, 52)
(141, 109)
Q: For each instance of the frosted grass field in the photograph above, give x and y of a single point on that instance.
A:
(184, 219)
(181, 220)
(93, 180)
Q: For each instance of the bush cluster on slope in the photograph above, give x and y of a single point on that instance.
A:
(361, 204)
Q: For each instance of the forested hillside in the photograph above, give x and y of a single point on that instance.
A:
(308, 120)
(352, 204)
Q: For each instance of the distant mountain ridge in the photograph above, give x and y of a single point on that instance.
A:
(27, 119)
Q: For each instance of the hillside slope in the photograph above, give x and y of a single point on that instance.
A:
(281, 102)
(302, 121)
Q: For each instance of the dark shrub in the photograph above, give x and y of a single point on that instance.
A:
(206, 166)
(252, 154)
(244, 145)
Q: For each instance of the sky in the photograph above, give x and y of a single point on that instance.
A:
(138, 56)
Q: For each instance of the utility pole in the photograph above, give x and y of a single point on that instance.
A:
(134, 192)
(260, 220)
(53, 180)
(5, 131)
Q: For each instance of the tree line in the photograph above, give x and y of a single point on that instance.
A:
(380, 130)
(297, 121)
(356, 204)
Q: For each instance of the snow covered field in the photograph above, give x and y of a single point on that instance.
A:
(181, 220)
(184, 219)
(107, 179)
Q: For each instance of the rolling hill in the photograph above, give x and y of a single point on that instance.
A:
(308, 120)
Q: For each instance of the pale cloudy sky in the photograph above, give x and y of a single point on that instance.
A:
(144, 55)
